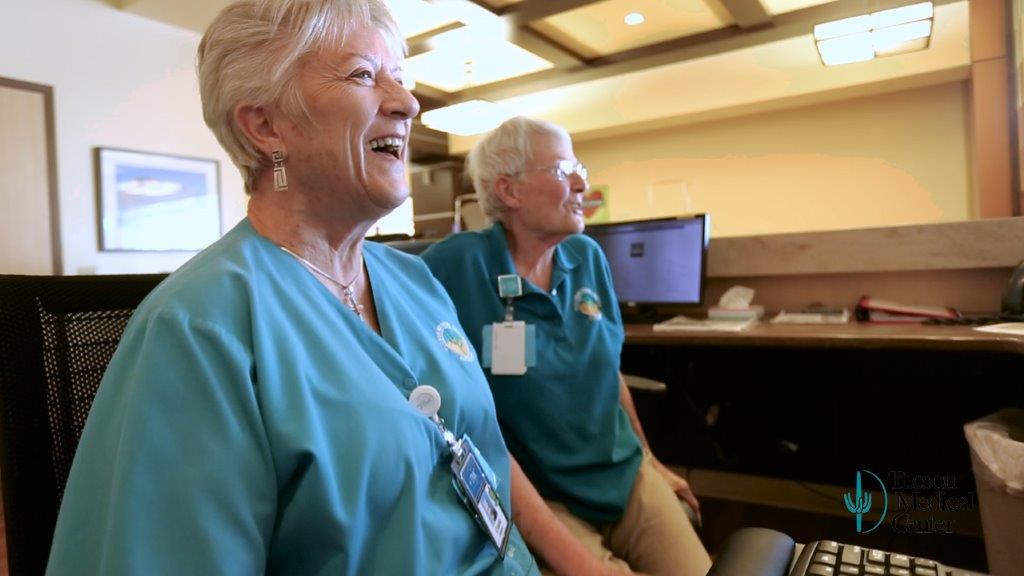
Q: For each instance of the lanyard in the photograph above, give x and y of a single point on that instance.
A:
(473, 480)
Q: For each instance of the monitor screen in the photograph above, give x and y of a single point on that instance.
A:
(656, 261)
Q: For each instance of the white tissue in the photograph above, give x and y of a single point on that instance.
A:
(1003, 455)
(737, 297)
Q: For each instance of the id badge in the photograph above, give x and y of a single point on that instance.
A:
(508, 348)
(476, 489)
(502, 341)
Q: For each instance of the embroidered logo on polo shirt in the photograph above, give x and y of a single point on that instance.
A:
(454, 341)
(586, 302)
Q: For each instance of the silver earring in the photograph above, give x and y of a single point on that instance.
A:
(280, 176)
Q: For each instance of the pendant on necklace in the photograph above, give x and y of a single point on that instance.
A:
(352, 304)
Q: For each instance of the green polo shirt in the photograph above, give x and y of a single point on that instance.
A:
(562, 419)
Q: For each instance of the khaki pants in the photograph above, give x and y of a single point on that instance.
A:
(653, 536)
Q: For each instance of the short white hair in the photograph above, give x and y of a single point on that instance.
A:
(505, 150)
(252, 53)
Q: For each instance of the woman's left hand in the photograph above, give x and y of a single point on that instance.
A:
(679, 485)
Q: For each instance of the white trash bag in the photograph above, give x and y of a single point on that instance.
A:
(997, 458)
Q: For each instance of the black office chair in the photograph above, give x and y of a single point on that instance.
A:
(57, 335)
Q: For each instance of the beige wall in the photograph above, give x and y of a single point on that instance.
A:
(120, 81)
(892, 159)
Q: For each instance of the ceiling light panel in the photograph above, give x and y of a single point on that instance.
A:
(884, 33)
(464, 58)
(843, 27)
(903, 38)
(902, 15)
(847, 50)
(467, 118)
(889, 38)
(415, 17)
(598, 29)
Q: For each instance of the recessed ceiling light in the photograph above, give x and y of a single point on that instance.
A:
(902, 15)
(634, 19)
(884, 33)
(843, 27)
(846, 49)
(467, 118)
(887, 39)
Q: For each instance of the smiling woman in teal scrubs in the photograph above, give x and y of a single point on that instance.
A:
(256, 417)
(566, 414)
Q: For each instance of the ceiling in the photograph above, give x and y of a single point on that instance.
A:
(577, 63)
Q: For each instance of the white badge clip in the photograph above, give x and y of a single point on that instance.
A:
(427, 401)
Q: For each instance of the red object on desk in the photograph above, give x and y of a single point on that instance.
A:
(886, 312)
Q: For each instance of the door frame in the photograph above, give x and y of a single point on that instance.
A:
(51, 161)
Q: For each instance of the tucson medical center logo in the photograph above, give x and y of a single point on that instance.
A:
(860, 503)
(923, 503)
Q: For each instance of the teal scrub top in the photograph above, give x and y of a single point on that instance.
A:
(250, 423)
(562, 420)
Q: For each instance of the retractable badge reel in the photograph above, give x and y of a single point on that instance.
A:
(510, 286)
(473, 479)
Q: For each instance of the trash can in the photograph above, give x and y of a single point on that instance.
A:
(997, 458)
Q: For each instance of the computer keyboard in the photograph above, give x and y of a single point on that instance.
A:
(828, 558)
(976, 320)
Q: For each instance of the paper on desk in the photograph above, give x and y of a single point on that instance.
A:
(840, 317)
(683, 324)
(1016, 328)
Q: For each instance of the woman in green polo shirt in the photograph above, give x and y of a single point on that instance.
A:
(550, 336)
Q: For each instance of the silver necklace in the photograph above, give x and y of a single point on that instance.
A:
(346, 288)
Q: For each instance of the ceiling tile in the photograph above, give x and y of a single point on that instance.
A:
(598, 29)
(416, 16)
(774, 75)
(500, 3)
(782, 6)
(464, 58)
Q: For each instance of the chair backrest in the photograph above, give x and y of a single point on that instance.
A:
(57, 335)
(468, 214)
(473, 216)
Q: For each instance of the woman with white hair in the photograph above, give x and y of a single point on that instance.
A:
(537, 301)
(292, 400)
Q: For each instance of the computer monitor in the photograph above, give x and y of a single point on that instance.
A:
(656, 262)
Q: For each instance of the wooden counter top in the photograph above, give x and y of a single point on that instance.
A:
(852, 335)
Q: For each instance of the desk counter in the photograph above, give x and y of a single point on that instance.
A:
(817, 402)
(836, 336)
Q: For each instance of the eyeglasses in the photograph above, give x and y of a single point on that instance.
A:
(562, 169)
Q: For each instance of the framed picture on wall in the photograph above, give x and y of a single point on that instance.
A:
(156, 202)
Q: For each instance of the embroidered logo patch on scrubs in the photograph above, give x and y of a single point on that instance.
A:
(586, 302)
(454, 341)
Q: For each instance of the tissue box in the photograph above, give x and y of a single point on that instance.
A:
(752, 312)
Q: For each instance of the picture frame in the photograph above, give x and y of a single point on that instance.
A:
(150, 202)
